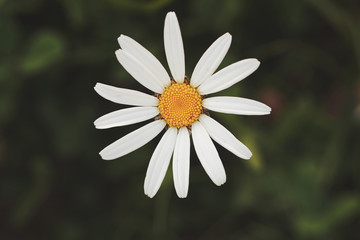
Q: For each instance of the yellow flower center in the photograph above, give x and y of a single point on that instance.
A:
(180, 105)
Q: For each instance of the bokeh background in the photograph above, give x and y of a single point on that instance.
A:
(302, 182)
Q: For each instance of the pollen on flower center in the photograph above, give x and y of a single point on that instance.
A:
(180, 105)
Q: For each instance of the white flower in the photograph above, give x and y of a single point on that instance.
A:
(180, 105)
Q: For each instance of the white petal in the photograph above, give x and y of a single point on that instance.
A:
(125, 117)
(139, 71)
(145, 57)
(133, 140)
(208, 154)
(228, 76)
(125, 96)
(181, 163)
(236, 105)
(159, 162)
(174, 48)
(224, 137)
(210, 60)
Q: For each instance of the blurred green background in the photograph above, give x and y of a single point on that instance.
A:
(302, 182)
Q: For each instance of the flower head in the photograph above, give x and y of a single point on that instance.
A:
(180, 105)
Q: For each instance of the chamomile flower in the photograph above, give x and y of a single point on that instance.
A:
(180, 105)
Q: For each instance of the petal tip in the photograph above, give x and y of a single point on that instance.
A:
(264, 109)
(102, 155)
(122, 40)
(181, 194)
(220, 183)
(148, 194)
(98, 127)
(171, 13)
(170, 16)
(97, 123)
(97, 86)
(253, 63)
(227, 34)
(118, 53)
(228, 38)
(119, 39)
(268, 109)
(247, 157)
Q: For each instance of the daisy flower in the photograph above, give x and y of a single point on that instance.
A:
(180, 105)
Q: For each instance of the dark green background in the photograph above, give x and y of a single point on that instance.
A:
(303, 181)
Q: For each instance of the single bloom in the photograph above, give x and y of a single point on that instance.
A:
(180, 105)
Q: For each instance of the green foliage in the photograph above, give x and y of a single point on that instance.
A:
(45, 49)
(301, 183)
